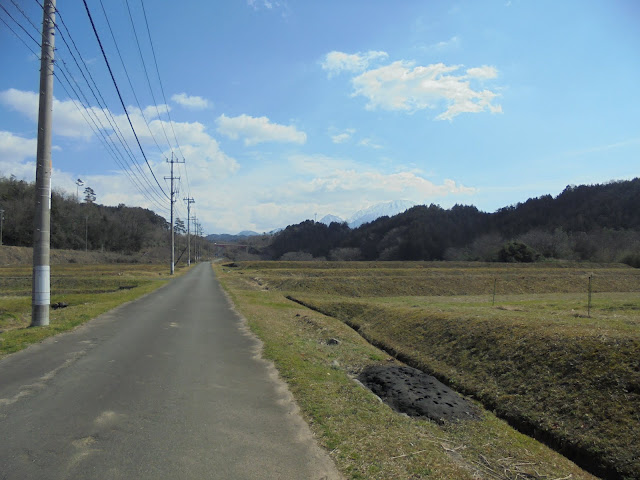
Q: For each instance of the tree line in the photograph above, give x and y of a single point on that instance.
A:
(82, 224)
(589, 222)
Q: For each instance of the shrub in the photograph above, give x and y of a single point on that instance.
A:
(517, 252)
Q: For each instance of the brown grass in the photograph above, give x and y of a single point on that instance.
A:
(365, 437)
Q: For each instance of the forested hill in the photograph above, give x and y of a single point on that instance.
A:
(595, 222)
(614, 205)
(121, 228)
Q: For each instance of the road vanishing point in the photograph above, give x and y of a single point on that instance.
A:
(169, 386)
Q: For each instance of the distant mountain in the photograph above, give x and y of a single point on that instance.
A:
(227, 238)
(247, 233)
(598, 223)
(374, 212)
(222, 237)
(329, 219)
(238, 238)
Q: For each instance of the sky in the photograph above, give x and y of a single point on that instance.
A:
(284, 110)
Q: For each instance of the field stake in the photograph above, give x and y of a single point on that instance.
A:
(589, 302)
(493, 302)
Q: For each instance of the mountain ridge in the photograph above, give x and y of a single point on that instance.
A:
(587, 222)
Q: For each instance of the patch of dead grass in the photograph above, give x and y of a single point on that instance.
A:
(364, 436)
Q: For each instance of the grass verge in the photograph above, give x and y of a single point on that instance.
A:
(88, 290)
(571, 382)
(366, 439)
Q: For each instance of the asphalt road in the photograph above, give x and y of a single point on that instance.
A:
(169, 386)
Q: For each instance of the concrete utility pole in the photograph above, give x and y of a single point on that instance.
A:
(79, 183)
(195, 240)
(197, 243)
(189, 202)
(41, 284)
(173, 192)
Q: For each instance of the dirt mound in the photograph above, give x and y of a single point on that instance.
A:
(408, 390)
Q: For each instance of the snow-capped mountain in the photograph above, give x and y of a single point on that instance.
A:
(247, 233)
(329, 219)
(379, 210)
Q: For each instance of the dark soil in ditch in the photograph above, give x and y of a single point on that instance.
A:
(408, 390)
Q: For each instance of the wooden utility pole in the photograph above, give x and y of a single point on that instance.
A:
(41, 284)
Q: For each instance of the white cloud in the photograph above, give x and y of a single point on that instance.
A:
(368, 142)
(403, 86)
(323, 174)
(483, 73)
(337, 62)
(195, 142)
(67, 118)
(276, 194)
(367, 182)
(344, 136)
(267, 4)
(190, 102)
(256, 130)
(14, 148)
(452, 43)
(17, 155)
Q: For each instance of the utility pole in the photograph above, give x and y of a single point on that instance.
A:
(195, 240)
(173, 192)
(86, 233)
(1, 220)
(79, 183)
(189, 202)
(41, 284)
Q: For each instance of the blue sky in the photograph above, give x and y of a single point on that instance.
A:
(287, 109)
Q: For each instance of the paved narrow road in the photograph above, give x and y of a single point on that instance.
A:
(168, 386)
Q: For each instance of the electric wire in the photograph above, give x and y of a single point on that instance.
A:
(25, 15)
(62, 68)
(20, 38)
(109, 115)
(129, 79)
(155, 60)
(107, 142)
(87, 112)
(99, 133)
(146, 74)
(119, 95)
(19, 24)
(102, 104)
(148, 30)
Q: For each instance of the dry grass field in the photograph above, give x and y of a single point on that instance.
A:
(524, 341)
(88, 290)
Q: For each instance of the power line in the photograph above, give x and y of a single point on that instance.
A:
(120, 96)
(19, 24)
(107, 143)
(86, 111)
(103, 104)
(25, 15)
(155, 60)
(20, 38)
(129, 79)
(146, 74)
